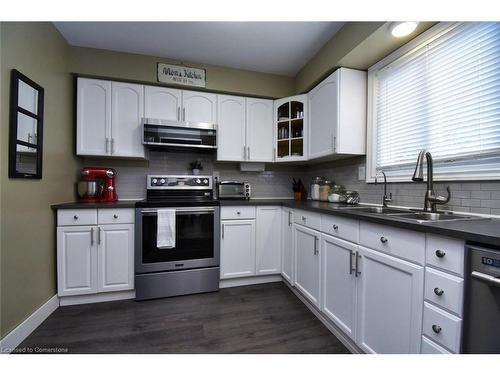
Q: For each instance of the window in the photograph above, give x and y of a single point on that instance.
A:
(440, 92)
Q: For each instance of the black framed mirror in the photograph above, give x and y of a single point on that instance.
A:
(26, 127)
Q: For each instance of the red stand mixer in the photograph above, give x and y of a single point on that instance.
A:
(97, 184)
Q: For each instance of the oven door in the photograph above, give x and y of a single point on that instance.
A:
(197, 241)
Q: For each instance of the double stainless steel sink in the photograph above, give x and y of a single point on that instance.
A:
(413, 215)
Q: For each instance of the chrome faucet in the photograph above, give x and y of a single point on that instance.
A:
(431, 198)
(386, 199)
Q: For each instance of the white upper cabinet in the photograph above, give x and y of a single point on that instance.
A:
(231, 128)
(259, 130)
(108, 118)
(290, 128)
(268, 240)
(337, 110)
(389, 302)
(127, 111)
(199, 107)
(162, 103)
(93, 122)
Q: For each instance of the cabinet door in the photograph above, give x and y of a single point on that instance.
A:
(389, 303)
(290, 128)
(199, 107)
(162, 103)
(93, 117)
(231, 128)
(76, 260)
(338, 283)
(323, 115)
(237, 248)
(268, 240)
(287, 245)
(307, 261)
(259, 130)
(127, 114)
(116, 257)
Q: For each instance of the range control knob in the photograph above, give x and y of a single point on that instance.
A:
(198, 180)
(162, 181)
(154, 181)
(205, 181)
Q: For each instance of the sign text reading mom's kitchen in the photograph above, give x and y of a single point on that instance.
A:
(181, 75)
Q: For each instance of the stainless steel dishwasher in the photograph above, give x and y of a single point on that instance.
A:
(482, 309)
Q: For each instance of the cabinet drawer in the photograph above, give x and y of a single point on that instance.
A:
(445, 252)
(347, 229)
(115, 216)
(442, 327)
(84, 216)
(402, 243)
(430, 347)
(237, 212)
(307, 219)
(444, 290)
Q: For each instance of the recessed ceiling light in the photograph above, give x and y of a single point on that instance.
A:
(399, 29)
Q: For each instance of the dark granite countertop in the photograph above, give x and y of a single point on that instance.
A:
(485, 231)
(78, 205)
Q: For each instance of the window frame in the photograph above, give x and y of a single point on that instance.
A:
(371, 132)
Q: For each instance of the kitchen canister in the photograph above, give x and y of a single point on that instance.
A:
(315, 185)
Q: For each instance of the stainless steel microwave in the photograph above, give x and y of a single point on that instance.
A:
(234, 190)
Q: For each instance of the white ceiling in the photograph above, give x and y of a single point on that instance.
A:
(271, 47)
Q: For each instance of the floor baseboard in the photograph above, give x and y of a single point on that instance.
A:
(251, 280)
(23, 330)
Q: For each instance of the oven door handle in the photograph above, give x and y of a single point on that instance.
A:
(199, 210)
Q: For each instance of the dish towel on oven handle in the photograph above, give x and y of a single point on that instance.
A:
(165, 234)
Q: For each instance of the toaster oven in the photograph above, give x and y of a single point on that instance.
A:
(234, 190)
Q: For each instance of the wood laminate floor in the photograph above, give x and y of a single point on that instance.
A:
(266, 318)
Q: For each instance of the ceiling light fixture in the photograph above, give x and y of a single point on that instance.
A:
(400, 29)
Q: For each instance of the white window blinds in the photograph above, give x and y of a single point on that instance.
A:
(443, 96)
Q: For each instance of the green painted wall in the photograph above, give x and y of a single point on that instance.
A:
(28, 277)
(142, 68)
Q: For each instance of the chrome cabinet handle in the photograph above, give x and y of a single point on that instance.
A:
(356, 263)
(436, 328)
(438, 291)
(178, 113)
(222, 230)
(316, 251)
(75, 217)
(335, 227)
(107, 145)
(248, 152)
(289, 218)
(383, 239)
(98, 235)
(244, 153)
(440, 253)
(115, 216)
(91, 236)
(351, 253)
(238, 213)
(304, 218)
(183, 114)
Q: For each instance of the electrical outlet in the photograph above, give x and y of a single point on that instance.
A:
(361, 173)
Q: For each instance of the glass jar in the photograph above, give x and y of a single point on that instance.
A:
(315, 185)
(337, 194)
(324, 190)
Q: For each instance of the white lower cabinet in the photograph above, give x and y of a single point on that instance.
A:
(389, 303)
(338, 282)
(287, 256)
(307, 262)
(268, 240)
(237, 248)
(116, 257)
(97, 258)
(76, 260)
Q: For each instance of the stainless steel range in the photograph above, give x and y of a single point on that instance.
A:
(192, 265)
